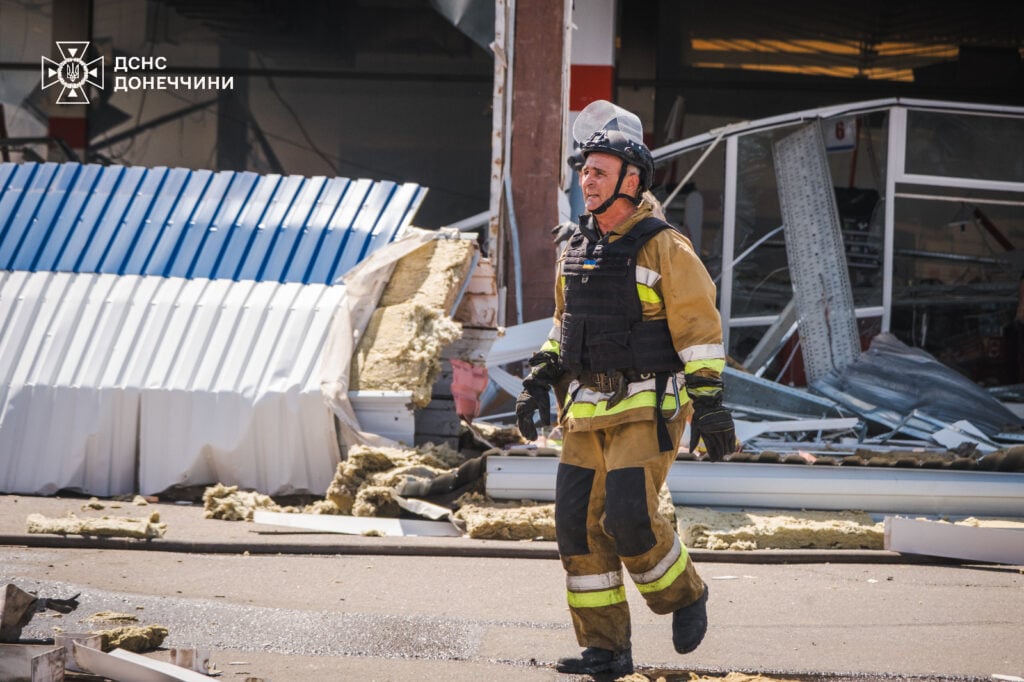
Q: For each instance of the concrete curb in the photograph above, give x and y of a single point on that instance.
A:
(453, 547)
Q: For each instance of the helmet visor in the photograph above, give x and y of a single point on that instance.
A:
(603, 115)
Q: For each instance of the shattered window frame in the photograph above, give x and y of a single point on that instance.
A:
(888, 159)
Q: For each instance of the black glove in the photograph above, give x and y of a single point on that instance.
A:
(715, 426)
(547, 369)
(711, 421)
(534, 398)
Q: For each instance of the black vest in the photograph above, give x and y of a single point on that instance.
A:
(602, 324)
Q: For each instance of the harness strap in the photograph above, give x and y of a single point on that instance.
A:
(660, 385)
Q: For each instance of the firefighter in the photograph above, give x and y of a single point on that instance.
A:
(638, 337)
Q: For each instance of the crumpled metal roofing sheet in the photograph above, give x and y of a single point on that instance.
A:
(200, 380)
(176, 222)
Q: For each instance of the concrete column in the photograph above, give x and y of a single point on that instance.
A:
(539, 101)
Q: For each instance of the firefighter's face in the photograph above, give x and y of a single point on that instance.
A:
(598, 177)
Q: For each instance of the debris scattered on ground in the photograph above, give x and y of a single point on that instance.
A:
(228, 503)
(365, 484)
(135, 638)
(93, 503)
(498, 435)
(782, 529)
(369, 468)
(141, 528)
(694, 677)
(113, 617)
(490, 520)
(17, 607)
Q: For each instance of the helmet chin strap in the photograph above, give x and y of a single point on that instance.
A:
(616, 194)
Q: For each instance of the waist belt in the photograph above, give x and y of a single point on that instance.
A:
(617, 383)
(609, 383)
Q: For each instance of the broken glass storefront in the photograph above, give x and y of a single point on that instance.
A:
(936, 266)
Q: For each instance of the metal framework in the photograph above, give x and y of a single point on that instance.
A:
(895, 174)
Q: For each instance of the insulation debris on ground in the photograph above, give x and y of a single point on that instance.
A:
(487, 519)
(367, 483)
(228, 503)
(113, 617)
(141, 528)
(782, 529)
(400, 349)
(136, 638)
(694, 677)
(490, 520)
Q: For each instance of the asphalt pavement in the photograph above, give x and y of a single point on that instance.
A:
(280, 605)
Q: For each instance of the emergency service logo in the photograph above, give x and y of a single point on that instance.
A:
(73, 73)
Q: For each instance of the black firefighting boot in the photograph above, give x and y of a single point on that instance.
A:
(596, 661)
(689, 624)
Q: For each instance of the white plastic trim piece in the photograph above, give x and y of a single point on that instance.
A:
(933, 538)
(358, 525)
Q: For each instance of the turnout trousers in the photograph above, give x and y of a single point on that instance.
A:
(606, 518)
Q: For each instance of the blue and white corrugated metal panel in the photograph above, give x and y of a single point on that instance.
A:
(201, 380)
(195, 223)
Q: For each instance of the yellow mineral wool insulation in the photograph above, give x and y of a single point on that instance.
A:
(498, 435)
(113, 617)
(432, 275)
(401, 350)
(142, 529)
(1016, 524)
(382, 466)
(694, 677)
(524, 520)
(228, 503)
(745, 530)
(135, 638)
(376, 500)
(489, 520)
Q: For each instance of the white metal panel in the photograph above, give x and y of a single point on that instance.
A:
(386, 413)
(795, 486)
(814, 251)
(196, 381)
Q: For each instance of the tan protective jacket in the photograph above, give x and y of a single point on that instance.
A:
(673, 284)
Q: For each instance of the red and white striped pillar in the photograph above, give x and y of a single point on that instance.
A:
(592, 56)
(591, 72)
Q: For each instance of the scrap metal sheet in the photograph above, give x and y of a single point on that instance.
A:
(814, 248)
